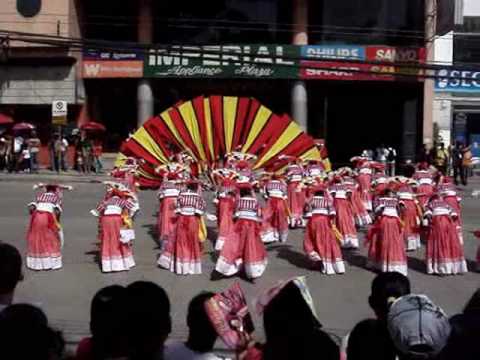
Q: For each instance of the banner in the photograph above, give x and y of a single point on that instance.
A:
(105, 64)
(232, 61)
(465, 81)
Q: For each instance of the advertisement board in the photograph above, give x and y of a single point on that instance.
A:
(106, 64)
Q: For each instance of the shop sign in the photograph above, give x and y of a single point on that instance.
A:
(448, 80)
(229, 61)
(59, 112)
(107, 64)
(336, 70)
(344, 52)
(396, 55)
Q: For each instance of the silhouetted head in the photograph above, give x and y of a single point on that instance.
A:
(387, 287)
(10, 269)
(202, 334)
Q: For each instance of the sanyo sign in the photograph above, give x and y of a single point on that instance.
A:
(214, 55)
(457, 81)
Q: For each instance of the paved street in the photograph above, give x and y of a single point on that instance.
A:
(65, 294)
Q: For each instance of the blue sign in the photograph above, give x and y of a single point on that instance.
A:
(334, 52)
(457, 81)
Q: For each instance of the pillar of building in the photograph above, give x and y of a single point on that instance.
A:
(299, 88)
(429, 86)
(409, 130)
(145, 100)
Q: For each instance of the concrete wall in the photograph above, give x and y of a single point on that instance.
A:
(471, 7)
(56, 17)
(37, 85)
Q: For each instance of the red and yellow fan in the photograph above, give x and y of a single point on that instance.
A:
(207, 128)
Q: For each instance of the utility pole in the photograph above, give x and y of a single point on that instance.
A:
(429, 85)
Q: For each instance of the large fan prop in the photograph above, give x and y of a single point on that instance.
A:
(207, 128)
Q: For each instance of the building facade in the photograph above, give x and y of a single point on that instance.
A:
(320, 61)
(457, 98)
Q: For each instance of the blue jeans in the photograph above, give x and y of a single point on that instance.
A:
(33, 161)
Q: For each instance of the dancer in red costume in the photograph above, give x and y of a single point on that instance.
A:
(127, 174)
(225, 200)
(386, 249)
(380, 179)
(444, 253)
(364, 179)
(320, 242)
(345, 221)
(296, 193)
(182, 252)
(247, 250)
(167, 196)
(275, 212)
(45, 235)
(411, 215)
(424, 178)
(447, 189)
(116, 212)
(362, 217)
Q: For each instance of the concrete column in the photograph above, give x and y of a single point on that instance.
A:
(299, 88)
(145, 36)
(409, 130)
(429, 85)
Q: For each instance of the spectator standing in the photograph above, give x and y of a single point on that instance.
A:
(87, 155)
(458, 163)
(419, 329)
(370, 339)
(17, 143)
(106, 326)
(34, 147)
(97, 154)
(391, 161)
(441, 158)
(381, 154)
(3, 153)
(25, 159)
(425, 155)
(10, 273)
(201, 337)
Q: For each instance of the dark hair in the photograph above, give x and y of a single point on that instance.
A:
(202, 334)
(245, 192)
(10, 268)
(473, 305)
(25, 334)
(148, 321)
(106, 315)
(387, 285)
(292, 331)
(319, 192)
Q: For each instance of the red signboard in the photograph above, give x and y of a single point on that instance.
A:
(112, 69)
(332, 70)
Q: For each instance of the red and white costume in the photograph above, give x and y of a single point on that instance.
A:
(364, 179)
(380, 183)
(362, 217)
(448, 191)
(115, 233)
(411, 216)
(182, 252)
(386, 249)
(320, 242)
(275, 212)
(167, 196)
(425, 186)
(345, 220)
(296, 194)
(444, 253)
(44, 236)
(225, 200)
(315, 169)
(247, 249)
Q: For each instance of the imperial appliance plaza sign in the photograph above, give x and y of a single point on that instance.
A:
(228, 61)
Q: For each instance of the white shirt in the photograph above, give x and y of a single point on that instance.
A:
(176, 350)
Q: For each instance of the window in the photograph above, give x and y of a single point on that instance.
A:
(29, 8)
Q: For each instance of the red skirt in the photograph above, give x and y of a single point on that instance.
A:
(225, 209)
(182, 253)
(275, 221)
(346, 223)
(115, 255)
(320, 244)
(424, 191)
(455, 205)
(166, 217)
(246, 249)
(362, 217)
(365, 181)
(386, 250)
(296, 202)
(43, 242)
(444, 251)
(411, 226)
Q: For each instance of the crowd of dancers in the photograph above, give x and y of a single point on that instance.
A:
(399, 214)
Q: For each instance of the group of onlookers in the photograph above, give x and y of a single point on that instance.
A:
(134, 322)
(456, 160)
(21, 153)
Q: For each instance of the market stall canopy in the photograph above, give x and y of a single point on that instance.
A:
(5, 119)
(92, 126)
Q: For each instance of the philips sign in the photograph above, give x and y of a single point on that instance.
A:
(457, 81)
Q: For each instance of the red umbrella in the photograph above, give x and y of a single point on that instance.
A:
(5, 119)
(23, 126)
(92, 126)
